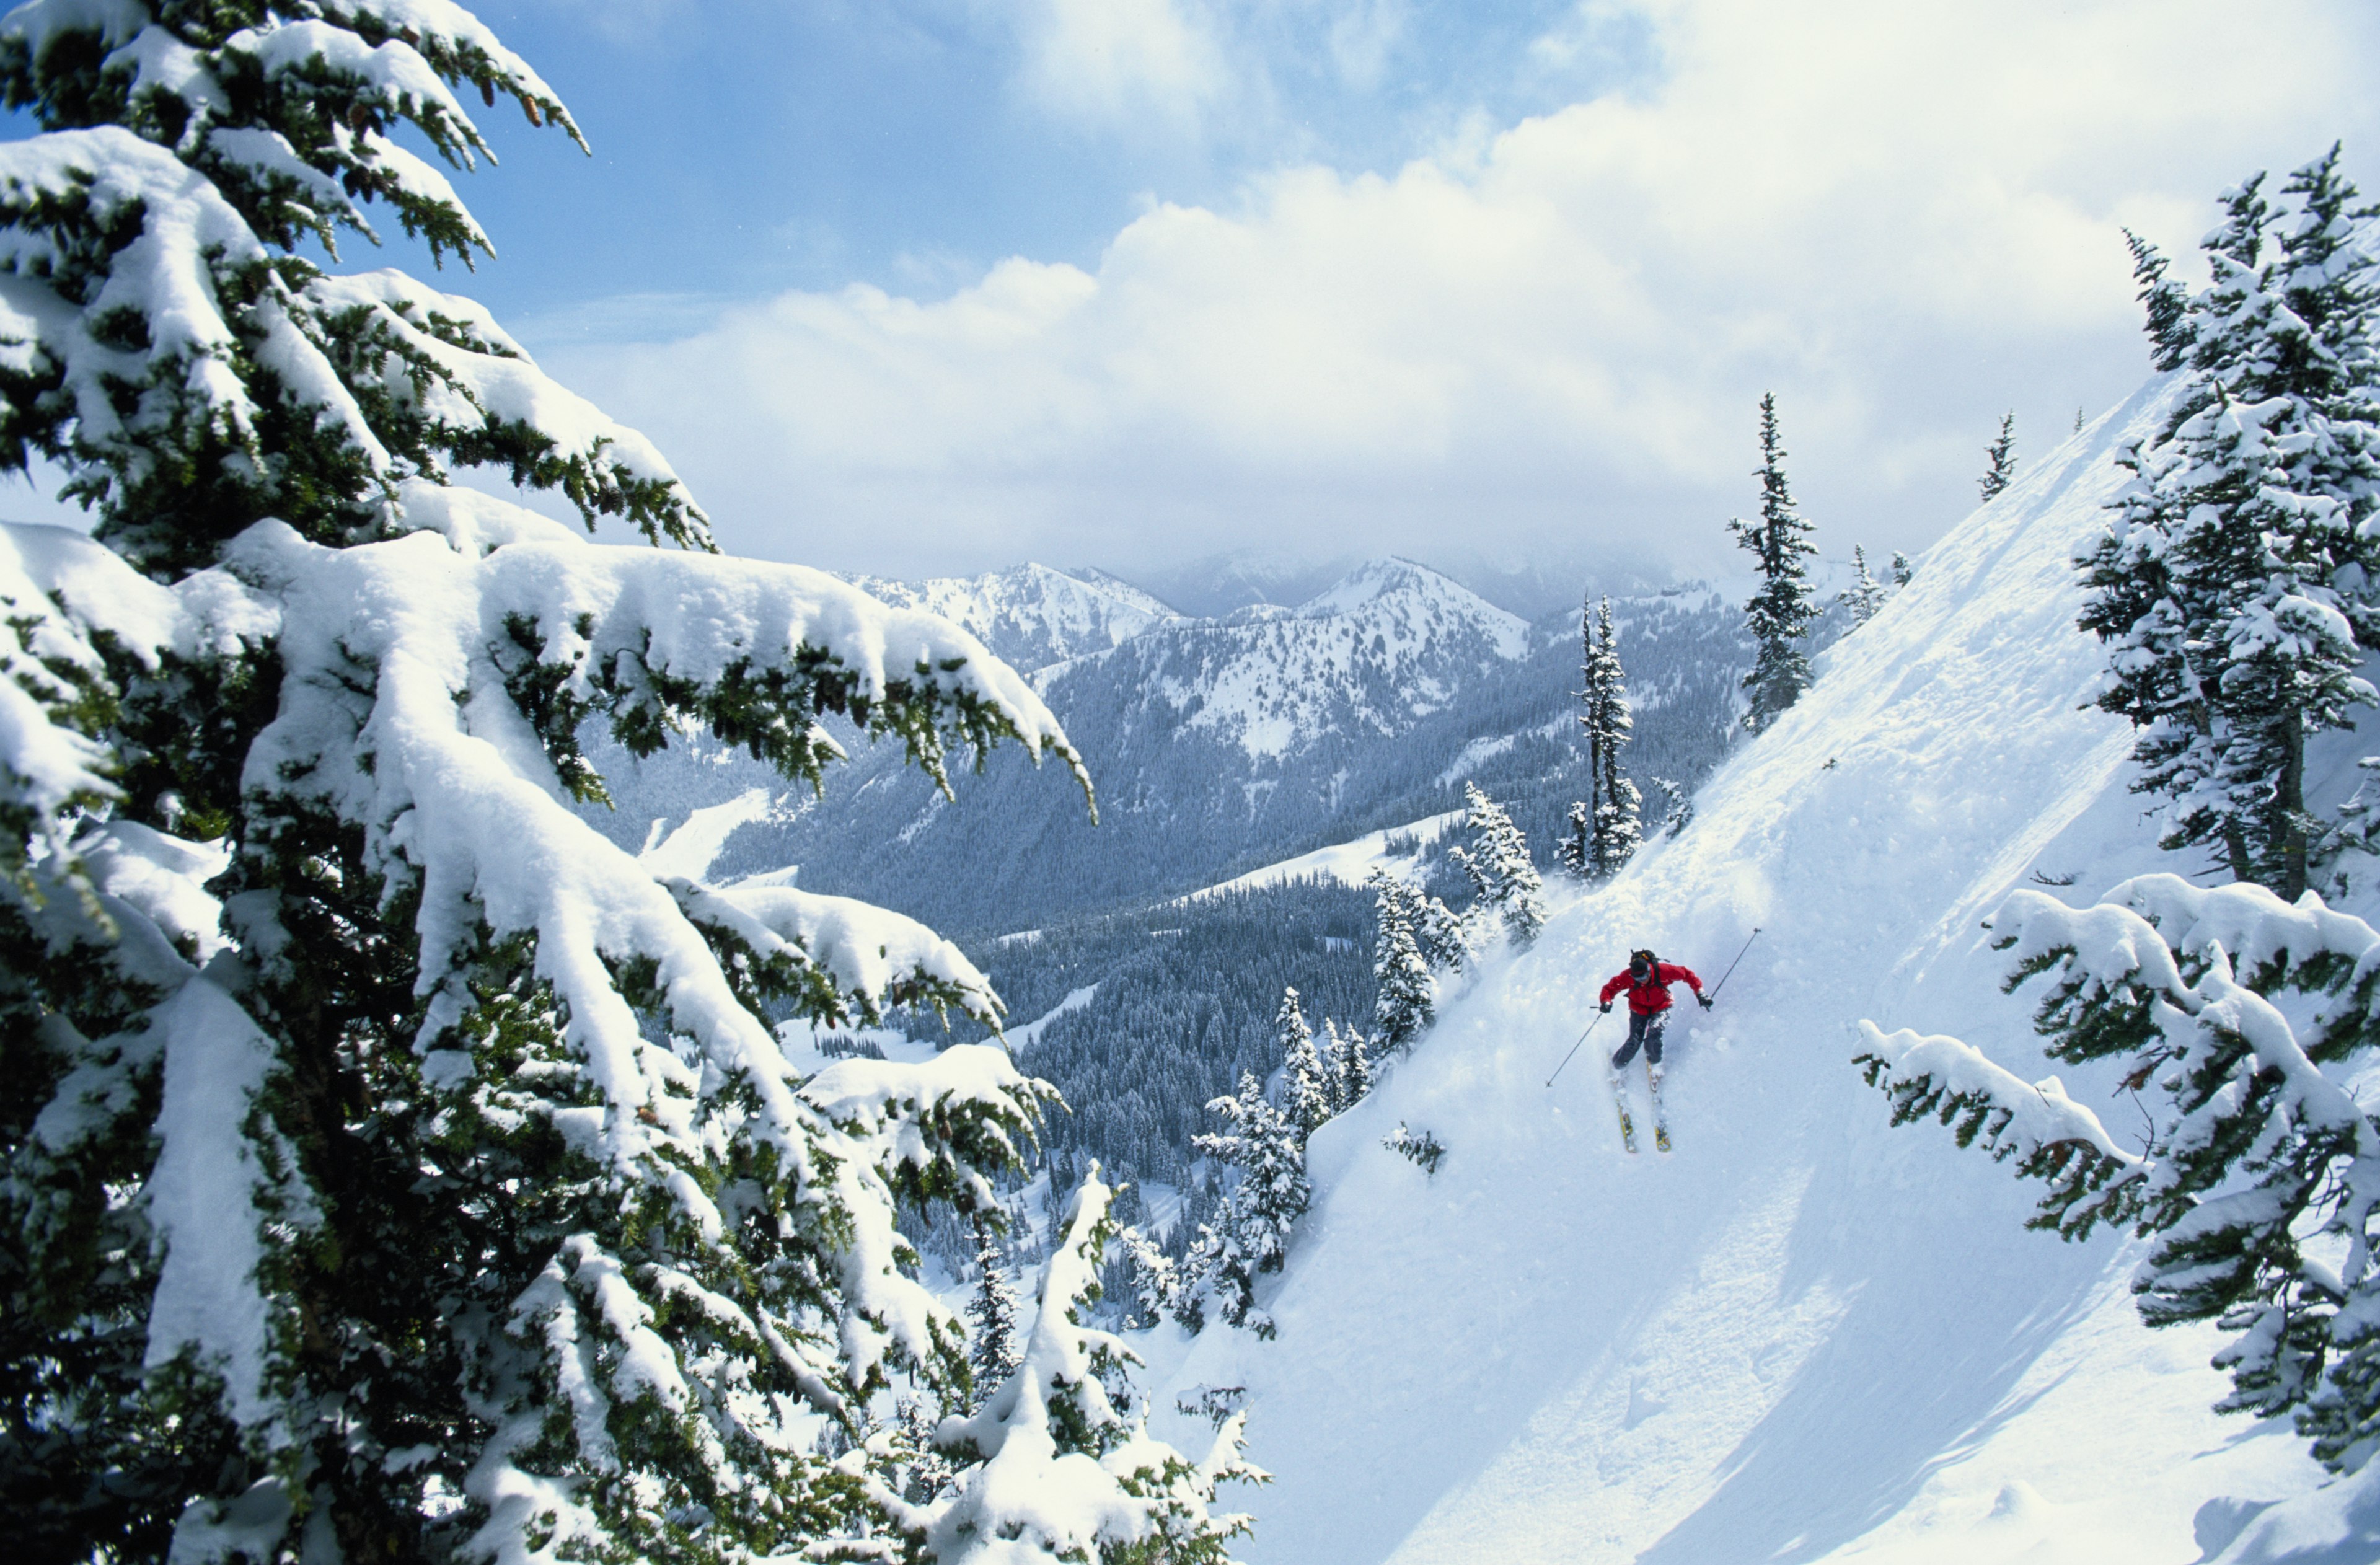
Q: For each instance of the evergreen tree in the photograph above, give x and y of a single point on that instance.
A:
(1250, 1236)
(2167, 305)
(1349, 1055)
(1901, 570)
(2259, 1188)
(2001, 454)
(1677, 809)
(1156, 1281)
(1577, 839)
(2231, 584)
(1056, 1470)
(1866, 594)
(1439, 932)
(924, 1472)
(383, 1145)
(1306, 1089)
(1782, 610)
(993, 1347)
(1498, 862)
(1407, 1000)
(1617, 808)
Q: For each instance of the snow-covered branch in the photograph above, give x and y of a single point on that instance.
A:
(2260, 1182)
(2051, 1138)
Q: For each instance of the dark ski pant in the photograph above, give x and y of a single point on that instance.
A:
(1644, 1032)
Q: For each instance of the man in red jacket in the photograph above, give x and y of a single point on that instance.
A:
(1647, 982)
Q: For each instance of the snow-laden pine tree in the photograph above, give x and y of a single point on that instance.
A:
(1156, 1281)
(2230, 584)
(1405, 996)
(1675, 811)
(2166, 304)
(1249, 1237)
(1502, 872)
(1348, 1057)
(1866, 595)
(398, 1169)
(1615, 809)
(1578, 833)
(1308, 1094)
(1060, 1472)
(1442, 935)
(1782, 610)
(992, 1346)
(2001, 456)
(1901, 570)
(2240, 1023)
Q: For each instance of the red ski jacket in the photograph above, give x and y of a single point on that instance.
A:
(1645, 999)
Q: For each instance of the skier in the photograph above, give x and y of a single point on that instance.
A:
(1647, 981)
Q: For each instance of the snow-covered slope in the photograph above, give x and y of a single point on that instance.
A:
(1031, 616)
(1803, 1335)
(1397, 849)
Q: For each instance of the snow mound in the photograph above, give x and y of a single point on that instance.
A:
(1804, 1335)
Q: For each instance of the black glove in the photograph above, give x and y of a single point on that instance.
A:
(1606, 1008)
(1705, 999)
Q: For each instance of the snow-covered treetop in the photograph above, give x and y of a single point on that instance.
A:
(1066, 1474)
(287, 107)
(159, 335)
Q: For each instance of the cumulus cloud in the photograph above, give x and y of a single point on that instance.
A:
(1110, 62)
(1550, 337)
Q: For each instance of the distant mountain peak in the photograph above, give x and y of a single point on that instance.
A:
(1393, 588)
(1032, 615)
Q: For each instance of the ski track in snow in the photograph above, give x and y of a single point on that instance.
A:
(1804, 1335)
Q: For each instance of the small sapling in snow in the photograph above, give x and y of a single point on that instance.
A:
(1423, 1148)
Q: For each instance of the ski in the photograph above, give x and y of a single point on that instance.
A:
(1661, 1115)
(1620, 1101)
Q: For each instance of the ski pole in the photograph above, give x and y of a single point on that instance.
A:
(1731, 966)
(1574, 1050)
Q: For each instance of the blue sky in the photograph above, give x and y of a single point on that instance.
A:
(940, 285)
(745, 147)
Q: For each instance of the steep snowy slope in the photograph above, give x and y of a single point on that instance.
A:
(1803, 1335)
(1031, 616)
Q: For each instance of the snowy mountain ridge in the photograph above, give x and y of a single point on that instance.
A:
(1031, 616)
(1805, 1336)
(1380, 649)
(1220, 747)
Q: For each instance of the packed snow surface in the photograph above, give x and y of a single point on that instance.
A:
(1803, 1335)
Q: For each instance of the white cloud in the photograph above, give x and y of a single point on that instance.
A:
(1902, 222)
(1114, 62)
